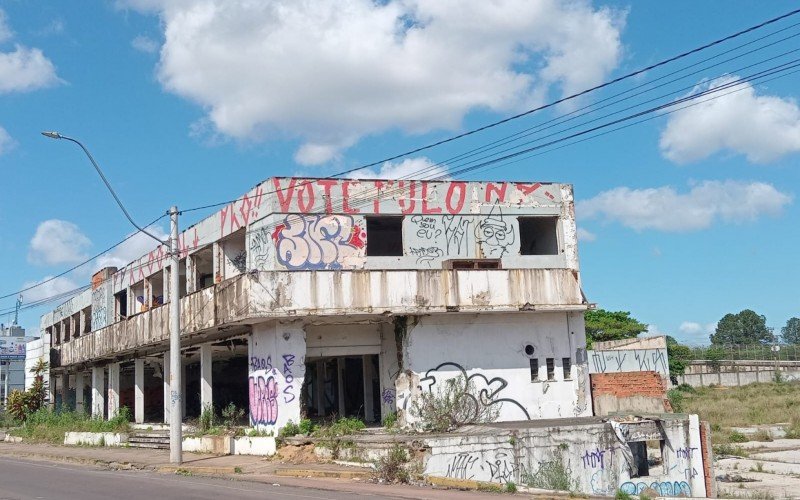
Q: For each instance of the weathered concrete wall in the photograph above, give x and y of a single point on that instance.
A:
(277, 369)
(737, 373)
(629, 360)
(596, 457)
(637, 392)
(494, 352)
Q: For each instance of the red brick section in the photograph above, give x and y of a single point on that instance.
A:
(708, 457)
(627, 384)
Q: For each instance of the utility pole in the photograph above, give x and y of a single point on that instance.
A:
(175, 416)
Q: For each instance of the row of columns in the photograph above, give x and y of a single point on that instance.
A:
(101, 400)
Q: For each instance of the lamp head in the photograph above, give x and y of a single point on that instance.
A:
(52, 135)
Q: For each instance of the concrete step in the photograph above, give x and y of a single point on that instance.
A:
(150, 434)
(154, 446)
(137, 439)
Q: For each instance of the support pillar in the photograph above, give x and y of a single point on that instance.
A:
(63, 390)
(319, 389)
(340, 366)
(167, 397)
(80, 400)
(98, 391)
(138, 396)
(367, 372)
(113, 390)
(183, 387)
(206, 363)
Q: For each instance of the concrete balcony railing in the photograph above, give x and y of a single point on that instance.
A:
(250, 298)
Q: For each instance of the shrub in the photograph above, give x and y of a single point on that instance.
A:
(231, 415)
(307, 427)
(457, 402)
(511, 487)
(49, 426)
(676, 400)
(392, 467)
(21, 404)
(552, 475)
(737, 437)
(621, 495)
(763, 436)
(390, 421)
(289, 430)
(331, 436)
(207, 418)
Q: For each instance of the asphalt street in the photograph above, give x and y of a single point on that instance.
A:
(29, 480)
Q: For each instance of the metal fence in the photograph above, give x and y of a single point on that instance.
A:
(757, 352)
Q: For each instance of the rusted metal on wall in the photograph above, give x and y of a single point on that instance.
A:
(276, 295)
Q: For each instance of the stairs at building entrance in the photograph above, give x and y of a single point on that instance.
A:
(157, 439)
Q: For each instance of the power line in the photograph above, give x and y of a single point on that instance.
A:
(540, 108)
(90, 259)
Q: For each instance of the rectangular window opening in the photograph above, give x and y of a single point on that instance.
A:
(121, 304)
(538, 235)
(566, 365)
(384, 236)
(534, 370)
(551, 369)
(646, 456)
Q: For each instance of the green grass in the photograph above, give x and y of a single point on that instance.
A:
(46, 426)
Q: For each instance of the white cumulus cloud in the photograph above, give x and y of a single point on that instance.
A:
(52, 288)
(24, 68)
(665, 209)
(694, 328)
(763, 128)
(332, 71)
(58, 242)
(132, 249)
(586, 235)
(410, 168)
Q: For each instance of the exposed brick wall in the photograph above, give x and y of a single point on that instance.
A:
(630, 384)
(708, 457)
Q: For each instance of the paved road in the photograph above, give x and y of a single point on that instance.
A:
(28, 480)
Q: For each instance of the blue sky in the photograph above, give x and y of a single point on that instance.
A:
(685, 218)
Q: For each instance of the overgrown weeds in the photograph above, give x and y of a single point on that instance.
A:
(393, 467)
(207, 418)
(333, 436)
(455, 403)
(49, 426)
(553, 474)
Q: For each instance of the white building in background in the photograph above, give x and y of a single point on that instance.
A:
(12, 359)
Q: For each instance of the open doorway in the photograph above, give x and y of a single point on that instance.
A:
(342, 386)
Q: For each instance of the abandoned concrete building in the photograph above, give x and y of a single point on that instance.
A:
(323, 297)
(343, 297)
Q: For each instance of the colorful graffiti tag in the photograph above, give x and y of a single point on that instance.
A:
(665, 488)
(314, 242)
(263, 400)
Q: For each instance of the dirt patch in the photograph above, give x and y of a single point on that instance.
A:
(297, 454)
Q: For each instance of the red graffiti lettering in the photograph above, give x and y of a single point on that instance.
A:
(346, 198)
(376, 203)
(425, 208)
(462, 195)
(528, 188)
(406, 207)
(326, 186)
(499, 190)
(305, 198)
(284, 198)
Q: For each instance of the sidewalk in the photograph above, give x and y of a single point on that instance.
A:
(325, 476)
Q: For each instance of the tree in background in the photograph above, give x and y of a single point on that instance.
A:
(602, 325)
(746, 327)
(678, 354)
(791, 332)
(22, 404)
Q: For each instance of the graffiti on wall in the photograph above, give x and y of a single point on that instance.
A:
(500, 468)
(495, 234)
(239, 261)
(460, 467)
(486, 393)
(629, 360)
(259, 244)
(664, 488)
(314, 242)
(263, 400)
(288, 377)
(99, 317)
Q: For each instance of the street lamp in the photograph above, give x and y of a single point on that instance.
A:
(175, 420)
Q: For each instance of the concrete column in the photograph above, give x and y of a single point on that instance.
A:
(113, 390)
(369, 414)
(191, 275)
(340, 365)
(206, 372)
(183, 387)
(98, 391)
(80, 398)
(319, 389)
(216, 264)
(167, 400)
(138, 396)
(63, 390)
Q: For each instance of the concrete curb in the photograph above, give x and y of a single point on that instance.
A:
(463, 484)
(327, 474)
(79, 460)
(195, 469)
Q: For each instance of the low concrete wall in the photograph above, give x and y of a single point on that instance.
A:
(263, 446)
(95, 438)
(731, 377)
(219, 445)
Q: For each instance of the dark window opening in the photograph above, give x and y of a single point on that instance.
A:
(529, 350)
(534, 370)
(551, 369)
(566, 364)
(538, 235)
(646, 455)
(384, 236)
(121, 304)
